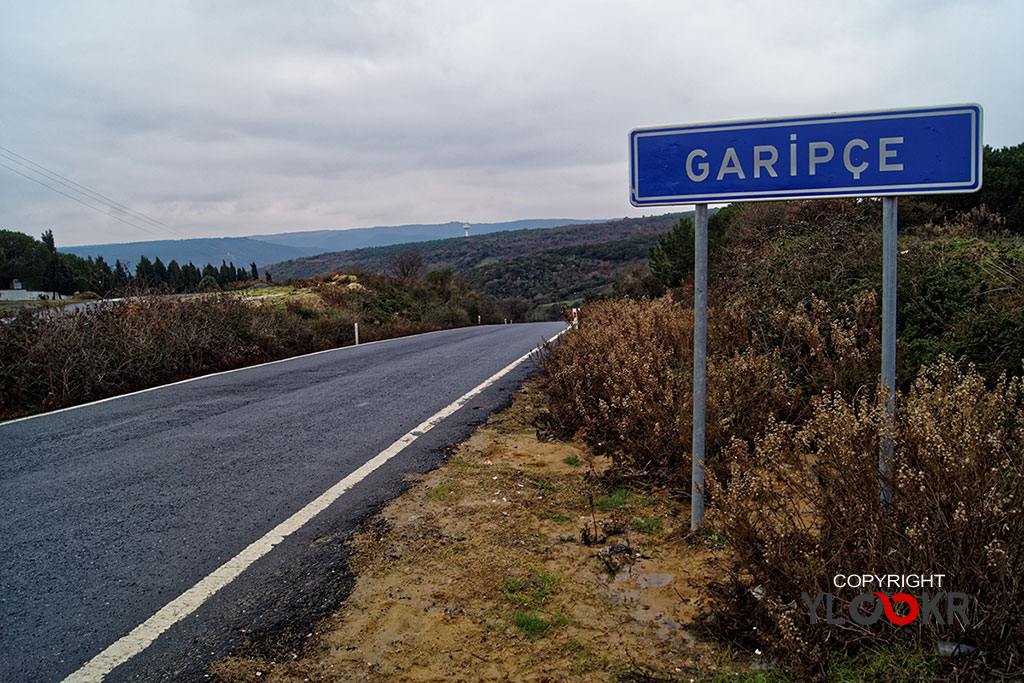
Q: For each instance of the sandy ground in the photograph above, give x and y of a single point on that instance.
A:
(488, 569)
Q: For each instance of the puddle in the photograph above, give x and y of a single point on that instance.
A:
(643, 593)
(653, 580)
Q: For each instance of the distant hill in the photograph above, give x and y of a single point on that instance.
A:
(463, 253)
(359, 238)
(264, 249)
(564, 275)
(238, 250)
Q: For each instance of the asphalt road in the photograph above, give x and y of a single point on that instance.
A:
(112, 510)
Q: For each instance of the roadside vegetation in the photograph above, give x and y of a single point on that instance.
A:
(794, 423)
(52, 358)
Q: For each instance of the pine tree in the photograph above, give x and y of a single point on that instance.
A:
(175, 278)
(144, 272)
(224, 276)
(159, 273)
(103, 278)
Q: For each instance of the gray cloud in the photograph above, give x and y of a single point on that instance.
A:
(226, 117)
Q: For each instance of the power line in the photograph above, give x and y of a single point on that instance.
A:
(72, 185)
(76, 199)
(78, 188)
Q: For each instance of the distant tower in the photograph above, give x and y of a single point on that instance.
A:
(465, 226)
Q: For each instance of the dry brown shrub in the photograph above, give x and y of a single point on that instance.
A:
(54, 359)
(306, 305)
(745, 392)
(336, 294)
(623, 383)
(833, 348)
(618, 382)
(803, 505)
(756, 221)
(780, 253)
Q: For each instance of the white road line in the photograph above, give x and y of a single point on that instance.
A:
(215, 374)
(188, 602)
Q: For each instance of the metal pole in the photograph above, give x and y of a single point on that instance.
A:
(889, 253)
(357, 332)
(700, 361)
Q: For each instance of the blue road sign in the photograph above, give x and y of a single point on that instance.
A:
(896, 152)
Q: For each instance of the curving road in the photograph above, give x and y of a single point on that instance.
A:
(111, 511)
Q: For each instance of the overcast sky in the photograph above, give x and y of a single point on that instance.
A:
(237, 117)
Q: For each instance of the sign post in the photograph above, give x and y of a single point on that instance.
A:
(933, 150)
(700, 362)
(889, 255)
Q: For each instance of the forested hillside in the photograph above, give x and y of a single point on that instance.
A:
(549, 279)
(460, 254)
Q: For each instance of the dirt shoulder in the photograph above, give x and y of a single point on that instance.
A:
(488, 569)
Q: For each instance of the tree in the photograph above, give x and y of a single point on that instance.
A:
(58, 276)
(671, 259)
(208, 284)
(254, 270)
(175, 277)
(24, 259)
(47, 239)
(122, 278)
(103, 278)
(191, 276)
(1002, 188)
(144, 272)
(224, 276)
(408, 264)
(159, 272)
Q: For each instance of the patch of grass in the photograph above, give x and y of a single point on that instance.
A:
(614, 500)
(513, 584)
(897, 664)
(554, 516)
(532, 624)
(544, 485)
(712, 540)
(573, 646)
(443, 490)
(572, 460)
(266, 292)
(530, 592)
(567, 539)
(643, 500)
(651, 525)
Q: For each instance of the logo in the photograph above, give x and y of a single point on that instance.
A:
(899, 608)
